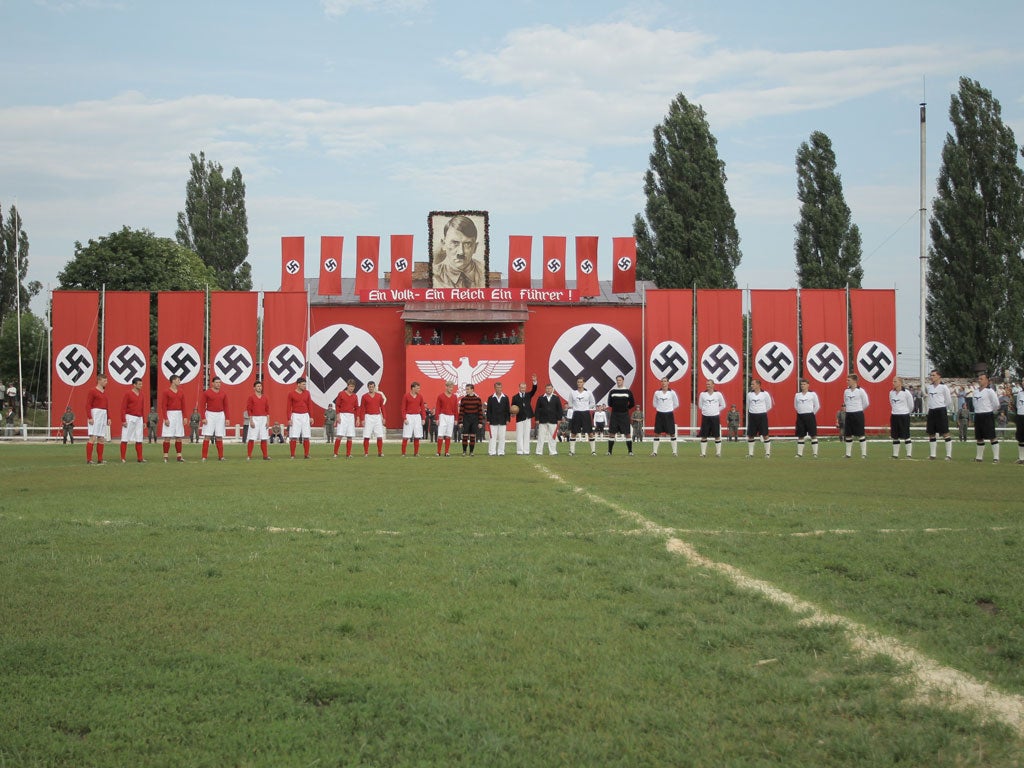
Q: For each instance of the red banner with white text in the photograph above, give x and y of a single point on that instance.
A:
(520, 254)
(873, 313)
(293, 263)
(623, 264)
(823, 335)
(126, 347)
(720, 343)
(367, 260)
(330, 266)
(586, 266)
(401, 262)
(554, 263)
(75, 317)
(285, 333)
(181, 320)
(668, 334)
(233, 346)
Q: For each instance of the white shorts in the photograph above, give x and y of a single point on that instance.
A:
(373, 426)
(132, 430)
(412, 426)
(98, 427)
(299, 429)
(214, 426)
(445, 425)
(258, 429)
(346, 425)
(174, 427)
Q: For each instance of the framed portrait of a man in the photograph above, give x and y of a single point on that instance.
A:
(459, 249)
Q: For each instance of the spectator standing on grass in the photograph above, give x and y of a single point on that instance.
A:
(330, 419)
(962, 420)
(152, 422)
(67, 424)
(620, 402)
(665, 401)
(940, 401)
(759, 403)
(549, 414)
(855, 401)
(523, 400)
(711, 404)
(194, 422)
(601, 421)
(732, 424)
(8, 421)
(841, 423)
(901, 403)
(96, 405)
(471, 410)
(986, 404)
(637, 421)
(806, 404)
(171, 413)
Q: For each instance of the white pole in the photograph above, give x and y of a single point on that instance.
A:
(923, 245)
(17, 312)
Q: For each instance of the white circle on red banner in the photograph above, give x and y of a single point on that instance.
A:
(286, 363)
(825, 362)
(74, 365)
(774, 362)
(125, 363)
(720, 363)
(875, 361)
(518, 264)
(669, 359)
(596, 352)
(338, 353)
(233, 364)
(181, 360)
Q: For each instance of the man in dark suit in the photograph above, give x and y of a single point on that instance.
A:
(522, 400)
(499, 411)
(549, 413)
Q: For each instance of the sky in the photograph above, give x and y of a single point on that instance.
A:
(359, 117)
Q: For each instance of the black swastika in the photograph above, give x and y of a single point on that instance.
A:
(876, 361)
(292, 267)
(519, 264)
(75, 365)
(625, 263)
(367, 265)
(341, 368)
(826, 363)
(718, 363)
(233, 365)
(554, 265)
(127, 363)
(330, 265)
(671, 362)
(286, 364)
(180, 363)
(587, 266)
(593, 367)
(775, 362)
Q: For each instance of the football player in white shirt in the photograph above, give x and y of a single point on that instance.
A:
(986, 403)
(807, 405)
(1019, 403)
(901, 404)
(759, 403)
(855, 400)
(940, 400)
(665, 402)
(582, 403)
(711, 404)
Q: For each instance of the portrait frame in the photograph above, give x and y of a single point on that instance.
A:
(436, 222)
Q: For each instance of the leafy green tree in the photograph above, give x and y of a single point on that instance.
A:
(975, 275)
(14, 266)
(214, 223)
(687, 234)
(828, 245)
(35, 368)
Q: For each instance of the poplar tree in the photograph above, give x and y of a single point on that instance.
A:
(975, 306)
(687, 234)
(14, 266)
(828, 244)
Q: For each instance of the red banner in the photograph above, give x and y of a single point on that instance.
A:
(720, 343)
(668, 333)
(401, 262)
(367, 258)
(75, 330)
(586, 266)
(554, 263)
(446, 295)
(233, 345)
(479, 365)
(126, 347)
(330, 266)
(285, 332)
(181, 320)
(773, 349)
(293, 264)
(823, 335)
(520, 253)
(873, 313)
(624, 264)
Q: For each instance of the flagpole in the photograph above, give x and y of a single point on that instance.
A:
(923, 244)
(17, 312)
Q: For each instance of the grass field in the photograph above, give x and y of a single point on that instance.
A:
(516, 611)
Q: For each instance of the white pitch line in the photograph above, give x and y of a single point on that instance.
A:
(935, 683)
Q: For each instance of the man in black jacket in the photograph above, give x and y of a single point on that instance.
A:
(522, 401)
(498, 413)
(549, 413)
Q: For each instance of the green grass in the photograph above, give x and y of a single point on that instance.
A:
(480, 612)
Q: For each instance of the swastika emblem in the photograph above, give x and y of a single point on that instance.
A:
(825, 362)
(775, 362)
(401, 264)
(125, 363)
(292, 267)
(367, 265)
(182, 360)
(286, 363)
(518, 264)
(586, 266)
(597, 353)
(720, 363)
(875, 361)
(338, 353)
(233, 364)
(331, 265)
(669, 359)
(74, 365)
(624, 263)
(555, 265)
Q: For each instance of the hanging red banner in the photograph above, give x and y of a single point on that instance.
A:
(330, 266)
(668, 334)
(586, 266)
(624, 264)
(554, 263)
(293, 264)
(367, 259)
(824, 336)
(285, 333)
(126, 347)
(873, 313)
(773, 352)
(401, 262)
(233, 345)
(720, 343)
(520, 253)
(75, 317)
(181, 319)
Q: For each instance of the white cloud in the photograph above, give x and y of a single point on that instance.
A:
(336, 8)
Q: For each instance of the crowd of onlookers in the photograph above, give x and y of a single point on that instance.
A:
(500, 337)
(962, 391)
